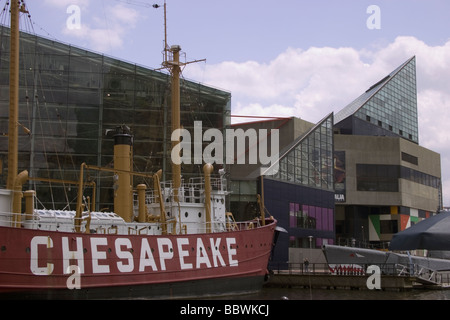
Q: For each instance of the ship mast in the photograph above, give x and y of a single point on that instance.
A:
(13, 131)
(173, 64)
(175, 86)
(14, 181)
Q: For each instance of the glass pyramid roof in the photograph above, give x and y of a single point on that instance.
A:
(390, 104)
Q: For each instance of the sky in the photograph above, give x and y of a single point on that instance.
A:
(286, 58)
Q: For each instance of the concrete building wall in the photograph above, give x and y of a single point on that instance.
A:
(371, 214)
(289, 129)
(388, 151)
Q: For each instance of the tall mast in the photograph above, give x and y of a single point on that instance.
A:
(13, 131)
(174, 65)
(175, 70)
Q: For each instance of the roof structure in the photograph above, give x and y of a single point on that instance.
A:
(308, 160)
(390, 105)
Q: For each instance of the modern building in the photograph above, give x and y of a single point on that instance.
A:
(298, 188)
(359, 174)
(70, 98)
(384, 180)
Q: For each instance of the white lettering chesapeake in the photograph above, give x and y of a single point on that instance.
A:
(126, 255)
(98, 255)
(231, 252)
(183, 253)
(216, 253)
(146, 258)
(164, 254)
(68, 255)
(202, 256)
(34, 267)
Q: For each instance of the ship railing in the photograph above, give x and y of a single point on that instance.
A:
(110, 223)
(352, 242)
(58, 219)
(216, 226)
(199, 182)
(191, 192)
(196, 182)
(6, 218)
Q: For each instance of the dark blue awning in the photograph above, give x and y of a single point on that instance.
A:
(431, 234)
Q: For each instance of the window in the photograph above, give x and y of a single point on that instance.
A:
(311, 217)
(410, 158)
(419, 177)
(388, 226)
(372, 177)
(310, 160)
(376, 177)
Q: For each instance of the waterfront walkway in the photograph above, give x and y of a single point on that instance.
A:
(320, 275)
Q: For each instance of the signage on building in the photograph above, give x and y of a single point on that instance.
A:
(339, 176)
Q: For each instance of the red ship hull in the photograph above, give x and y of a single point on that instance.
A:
(49, 264)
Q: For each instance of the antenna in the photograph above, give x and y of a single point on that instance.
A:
(166, 46)
(169, 61)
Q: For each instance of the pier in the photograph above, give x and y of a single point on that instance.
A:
(319, 275)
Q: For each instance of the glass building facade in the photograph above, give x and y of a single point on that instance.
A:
(301, 194)
(309, 161)
(70, 98)
(389, 107)
(385, 181)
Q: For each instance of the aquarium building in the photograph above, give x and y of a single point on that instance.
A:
(70, 98)
(384, 180)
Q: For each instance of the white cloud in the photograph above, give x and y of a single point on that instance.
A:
(104, 30)
(66, 3)
(311, 83)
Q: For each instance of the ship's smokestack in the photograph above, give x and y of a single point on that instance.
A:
(123, 190)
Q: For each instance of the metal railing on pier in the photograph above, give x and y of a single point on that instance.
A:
(356, 269)
(315, 269)
(423, 275)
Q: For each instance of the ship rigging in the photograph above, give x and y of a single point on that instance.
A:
(175, 239)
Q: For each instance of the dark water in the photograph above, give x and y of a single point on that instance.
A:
(344, 294)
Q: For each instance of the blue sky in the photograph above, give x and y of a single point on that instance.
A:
(283, 58)
(239, 30)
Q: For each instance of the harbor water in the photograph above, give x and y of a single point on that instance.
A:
(345, 294)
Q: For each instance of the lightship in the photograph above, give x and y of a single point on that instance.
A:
(176, 240)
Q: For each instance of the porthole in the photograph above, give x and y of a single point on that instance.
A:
(199, 214)
(186, 214)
